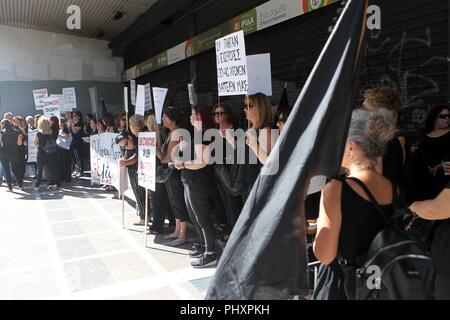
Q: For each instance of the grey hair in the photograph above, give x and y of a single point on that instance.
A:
(6, 115)
(372, 130)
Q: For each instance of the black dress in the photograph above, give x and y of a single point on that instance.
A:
(361, 222)
(421, 182)
(441, 253)
(10, 156)
(393, 161)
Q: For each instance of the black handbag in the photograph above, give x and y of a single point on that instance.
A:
(163, 173)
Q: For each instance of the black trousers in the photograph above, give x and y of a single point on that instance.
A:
(160, 207)
(14, 166)
(64, 158)
(49, 160)
(139, 192)
(233, 205)
(198, 187)
(175, 192)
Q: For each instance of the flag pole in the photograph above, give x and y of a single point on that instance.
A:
(146, 216)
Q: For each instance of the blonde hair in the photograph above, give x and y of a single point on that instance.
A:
(44, 126)
(265, 111)
(151, 123)
(382, 98)
(137, 121)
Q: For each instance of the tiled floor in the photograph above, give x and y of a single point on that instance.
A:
(70, 244)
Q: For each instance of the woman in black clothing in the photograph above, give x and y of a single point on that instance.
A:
(226, 119)
(76, 129)
(47, 148)
(425, 173)
(174, 120)
(348, 221)
(64, 154)
(23, 130)
(199, 185)
(10, 139)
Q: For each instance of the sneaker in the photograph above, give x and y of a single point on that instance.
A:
(207, 260)
(197, 252)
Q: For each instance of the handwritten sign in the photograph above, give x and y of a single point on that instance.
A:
(148, 97)
(70, 99)
(159, 96)
(147, 160)
(32, 148)
(39, 96)
(105, 155)
(232, 75)
(140, 100)
(51, 107)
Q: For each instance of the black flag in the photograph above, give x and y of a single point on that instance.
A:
(266, 254)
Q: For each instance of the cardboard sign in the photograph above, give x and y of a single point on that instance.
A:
(70, 100)
(125, 97)
(148, 97)
(51, 107)
(60, 97)
(232, 75)
(105, 155)
(140, 100)
(147, 160)
(39, 96)
(32, 148)
(259, 74)
(193, 97)
(94, 100)
(133, 92)
(159, 96)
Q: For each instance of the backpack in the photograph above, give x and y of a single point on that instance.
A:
(405, 268)
(50, 145)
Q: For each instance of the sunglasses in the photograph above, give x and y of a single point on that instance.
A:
(219, 114)
(249, 106)
(444, 116)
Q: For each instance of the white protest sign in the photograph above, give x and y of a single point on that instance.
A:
(159, 96)
(140, 100)
(133, 92)
(148, 97)
(70, 100)
(232, 77)
(147, 160)
(39, 96)
(60, 97)
(259, 74)
(51, 107)
(125, 97)
(105, 155)
(193, 97)
(32, 148)
(94, 99)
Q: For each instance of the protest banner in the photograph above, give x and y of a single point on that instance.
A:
(70, 100)
(193, 97)
(232, 75)
(32, 148)
(105, 155)
(148, 97)
(39, 96)
(51, 107)
(133, 92)
(159, 96)
(94, 100)
(259, 74)
(125, 97)
(147, 160)
(60, 97)
(140, 100)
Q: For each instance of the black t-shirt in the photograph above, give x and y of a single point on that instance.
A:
(193, 157)
(78, 136)
(9, 147)
(129, 153)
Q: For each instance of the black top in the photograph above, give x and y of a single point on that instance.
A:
(361, 222)
(78, 136)
(8, 145)
(193, 156)
(129, 153)
(393, 161)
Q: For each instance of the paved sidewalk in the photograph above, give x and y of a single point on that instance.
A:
(69, 244)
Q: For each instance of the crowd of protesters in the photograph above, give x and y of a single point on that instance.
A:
(210, 196)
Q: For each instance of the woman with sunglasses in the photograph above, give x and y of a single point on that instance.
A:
(425, 174)
(122, 122)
